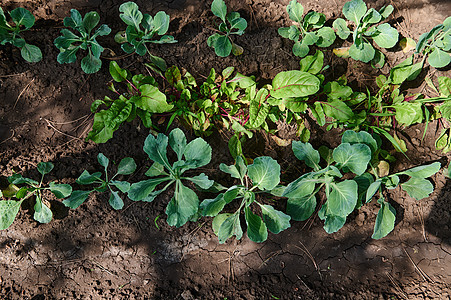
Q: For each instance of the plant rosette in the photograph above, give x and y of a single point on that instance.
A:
(126, 167)
(263, 176)
(23, 188)
(357, 155)
(232, 24)
(23, 20)
(143, 29)
(310, 29)
(365, 28)
(69, 43)
(195, 154)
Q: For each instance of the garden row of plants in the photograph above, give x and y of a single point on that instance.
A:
(349, 175)
(367, 25)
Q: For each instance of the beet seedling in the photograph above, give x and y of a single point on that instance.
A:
(232, 23)
(309, 31)
(142, 98)
(23, 20)
(42, 213)
(69, 43)
(126, 167)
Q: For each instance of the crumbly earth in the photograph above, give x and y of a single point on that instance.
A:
(95, 252)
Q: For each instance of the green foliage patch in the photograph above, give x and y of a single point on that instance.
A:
(436, 45)
(23, 20)
(197, 153)
(232, 24)
(263, 175)
(143, 29)
(310, 29)
(69, 42)
(126, 167)
(365, 28)
(23, 188)
(358, 155)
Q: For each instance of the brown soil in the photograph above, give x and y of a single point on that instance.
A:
(95, 252)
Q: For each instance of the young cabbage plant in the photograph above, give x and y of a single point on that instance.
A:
(436, 45)
(185, 203)
(417, 187)
(69, 43)
(23, 20)
(23, 188)
(384, 35)
(231, 24)
(263, 176)
(310, 29)
(358, 154)
(142, 98)
(143, 29)
(126, 167)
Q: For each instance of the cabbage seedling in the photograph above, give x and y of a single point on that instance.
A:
(185, 203)
(69, 43)
(232, 23)
(436, 44)
(42, 213)
(384, 35)
(23, 20)
(309, 31)
(126, 167)
(262, 176)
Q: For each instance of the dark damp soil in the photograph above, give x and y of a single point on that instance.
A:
(95, 252)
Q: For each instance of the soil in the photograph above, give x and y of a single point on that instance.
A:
(95, 252)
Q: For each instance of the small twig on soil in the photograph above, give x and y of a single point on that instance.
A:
(305, 250)
(83, 86)
(407, 22)
(270, 257)
(253, 16)
(59, 131)
(23, 91)
(70, 122)
(424, 85)
(59, 263)
(397, 287)
(211, 28)
(12, 135)
(79, 138)
(230, 258)
(136, 222)
(101, 267)
(13, 75)
(421, 272)
(194, 231)
(303, 282)
(420, 213)
(118, 57)
(130, 205)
